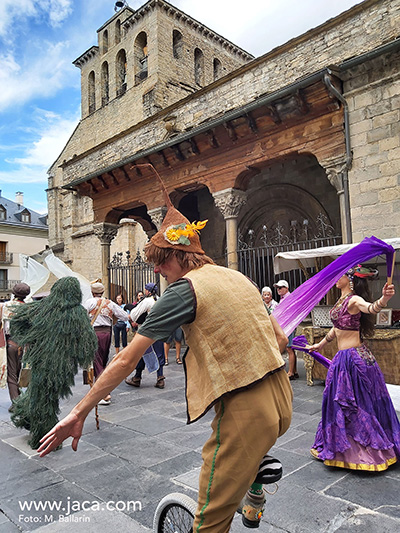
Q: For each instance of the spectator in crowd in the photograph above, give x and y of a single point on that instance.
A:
(121, 327)
(101, 312)
(270, 303)
(13, 350)
(138, 316)
(282, 288)
(177, 336)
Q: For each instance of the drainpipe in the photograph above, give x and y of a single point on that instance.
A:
(349, 155)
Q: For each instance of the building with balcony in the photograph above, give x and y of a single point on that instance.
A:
(22, 231)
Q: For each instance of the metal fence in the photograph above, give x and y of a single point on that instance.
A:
(258, 263)
(129, 275)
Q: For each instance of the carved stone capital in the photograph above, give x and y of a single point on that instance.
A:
(157, 216)
(105, 232)
(335, 168)
(229, 202)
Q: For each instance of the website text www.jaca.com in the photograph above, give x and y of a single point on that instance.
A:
(45, 511)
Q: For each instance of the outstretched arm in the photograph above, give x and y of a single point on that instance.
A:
(359, 304)
(120, 367)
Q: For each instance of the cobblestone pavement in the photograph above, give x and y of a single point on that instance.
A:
(144, 450)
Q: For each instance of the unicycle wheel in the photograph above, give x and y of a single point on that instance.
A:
(174, 514)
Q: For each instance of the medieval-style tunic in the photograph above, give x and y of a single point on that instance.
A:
(241, 374)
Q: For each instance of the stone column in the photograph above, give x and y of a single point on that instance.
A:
(229, 202)
(157, 216)
(106, 233)
(336, 171)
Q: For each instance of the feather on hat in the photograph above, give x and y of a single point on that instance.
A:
(176, 231)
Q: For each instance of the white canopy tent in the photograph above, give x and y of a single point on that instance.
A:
(284, 261)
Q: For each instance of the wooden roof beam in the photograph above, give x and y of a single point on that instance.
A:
(301, 101)
(93, 186)
(251, 122)
(161, 153)
(103, 182)
(273, 113)
(138, 171)
(230, 128)
(193, 146)
(112, 175)
(178, 152)
(212, 139)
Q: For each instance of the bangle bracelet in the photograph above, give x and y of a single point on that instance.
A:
(371, 310)
(328, 339)
(381, 304)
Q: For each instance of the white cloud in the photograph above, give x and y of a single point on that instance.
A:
(260, 25)
(13, 12)
(41, 75)
(51, 136)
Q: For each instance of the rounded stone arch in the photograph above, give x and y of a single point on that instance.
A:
(292, 188)
(120, 72)
(198, 204)
(138, 213)
(140, 57)
(286, 208)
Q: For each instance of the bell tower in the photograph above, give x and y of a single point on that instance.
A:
(145, 60)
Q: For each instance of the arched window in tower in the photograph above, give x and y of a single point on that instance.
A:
(177, 44)
(217, 69)
(105, 41)
(198, 66)
(141, 71)
(118, 32)
(121, 72)
(92, 92)
(105, 84)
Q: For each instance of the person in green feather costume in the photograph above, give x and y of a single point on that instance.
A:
(57, 336)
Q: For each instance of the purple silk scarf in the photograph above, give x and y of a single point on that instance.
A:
(300, 343)
(301, 301)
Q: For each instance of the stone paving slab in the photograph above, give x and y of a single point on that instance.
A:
(144, 450)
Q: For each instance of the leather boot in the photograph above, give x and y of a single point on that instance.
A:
(160, 382)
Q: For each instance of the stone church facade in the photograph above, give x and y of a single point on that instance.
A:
(261, 147)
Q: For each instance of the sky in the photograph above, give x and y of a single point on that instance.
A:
(40, 87)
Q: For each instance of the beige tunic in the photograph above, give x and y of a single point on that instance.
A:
(231, 341)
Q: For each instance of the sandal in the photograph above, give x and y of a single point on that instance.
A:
(178, 362)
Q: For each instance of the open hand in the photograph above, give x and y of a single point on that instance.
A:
(70, 426)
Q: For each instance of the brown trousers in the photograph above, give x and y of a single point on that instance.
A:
(14, 358)
(246, 425)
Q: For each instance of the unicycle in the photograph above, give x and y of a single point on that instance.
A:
(174, 514)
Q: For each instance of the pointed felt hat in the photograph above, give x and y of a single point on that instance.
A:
(178, 233)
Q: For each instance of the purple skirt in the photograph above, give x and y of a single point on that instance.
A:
(359, 428)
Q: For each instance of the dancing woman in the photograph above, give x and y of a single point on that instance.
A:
(359, 428)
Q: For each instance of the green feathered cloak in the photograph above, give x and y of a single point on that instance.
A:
(57, 336)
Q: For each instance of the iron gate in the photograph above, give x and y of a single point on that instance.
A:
(256, 262)
(129, 275)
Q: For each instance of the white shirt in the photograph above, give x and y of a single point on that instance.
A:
(108, 310)
(142, 307)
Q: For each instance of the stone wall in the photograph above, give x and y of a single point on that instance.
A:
(110, 134)
(331, 44)
(372, 91)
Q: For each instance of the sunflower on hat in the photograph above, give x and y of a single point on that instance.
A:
(181, 233)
